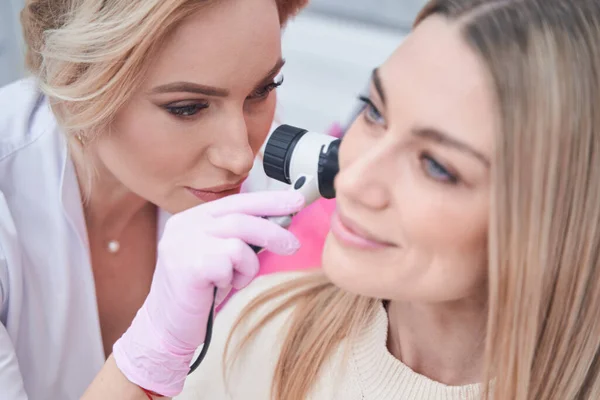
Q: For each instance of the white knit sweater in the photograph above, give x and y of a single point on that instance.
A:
(370, 373)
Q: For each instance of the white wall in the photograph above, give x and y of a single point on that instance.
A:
(329, 63)
(11, 44)
(395, 14)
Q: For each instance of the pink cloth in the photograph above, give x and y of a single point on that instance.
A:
(310, 226)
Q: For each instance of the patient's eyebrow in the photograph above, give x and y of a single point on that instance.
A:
(445, 139)
(376, 78)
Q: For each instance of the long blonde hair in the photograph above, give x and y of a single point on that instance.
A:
(90, 55)
(543, 333)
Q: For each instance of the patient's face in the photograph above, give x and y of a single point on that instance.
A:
(414, 184)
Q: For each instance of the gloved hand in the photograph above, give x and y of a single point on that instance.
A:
(201, 248)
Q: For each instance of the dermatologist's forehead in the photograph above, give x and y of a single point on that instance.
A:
(225, 44)
(437, 79)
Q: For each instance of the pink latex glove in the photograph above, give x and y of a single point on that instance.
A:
(311, 227)
(201, 248)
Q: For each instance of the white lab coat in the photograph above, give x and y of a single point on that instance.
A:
(50, 342)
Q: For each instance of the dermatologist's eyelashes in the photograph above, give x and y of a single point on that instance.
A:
(185, 109)
(264, 92)
(189, 108)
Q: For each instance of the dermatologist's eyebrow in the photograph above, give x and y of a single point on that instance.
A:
(190, 87)
(212, 91)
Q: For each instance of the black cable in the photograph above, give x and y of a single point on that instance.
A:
(209, 326)
(208, 337)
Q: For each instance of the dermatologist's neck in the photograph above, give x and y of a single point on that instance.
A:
(444, 342)
(110, 206)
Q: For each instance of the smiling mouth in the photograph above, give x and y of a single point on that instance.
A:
(351, 234)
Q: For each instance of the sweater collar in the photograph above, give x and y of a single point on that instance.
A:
(384, 377)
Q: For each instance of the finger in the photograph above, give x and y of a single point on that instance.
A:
(222, 295)
(243, 258)
(216, 269)
(271, 203)
(240, 281)
(255, 231)
(245, 263)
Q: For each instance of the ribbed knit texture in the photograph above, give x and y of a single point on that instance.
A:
(382, 376)
(370, 373)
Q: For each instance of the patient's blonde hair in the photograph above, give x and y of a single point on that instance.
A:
(543, 335)
(90, 55)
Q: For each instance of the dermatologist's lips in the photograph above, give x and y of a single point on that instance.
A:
(216, 192)
(351, 234)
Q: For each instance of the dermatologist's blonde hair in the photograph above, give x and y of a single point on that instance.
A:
(90, 55)
(543, 334)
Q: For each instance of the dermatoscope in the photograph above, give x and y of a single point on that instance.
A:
(308, 162)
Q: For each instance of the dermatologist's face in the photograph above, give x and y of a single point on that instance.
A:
(191, 132)
(414, 184)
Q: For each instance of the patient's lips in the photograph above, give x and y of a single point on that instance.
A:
(350, 234)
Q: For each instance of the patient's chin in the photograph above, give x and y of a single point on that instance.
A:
(349, 272)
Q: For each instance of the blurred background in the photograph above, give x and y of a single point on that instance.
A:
(331, 49)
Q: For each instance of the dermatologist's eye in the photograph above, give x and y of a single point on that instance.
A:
(185, 109)
(436, 170)
(370, 112)
(263, 93)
